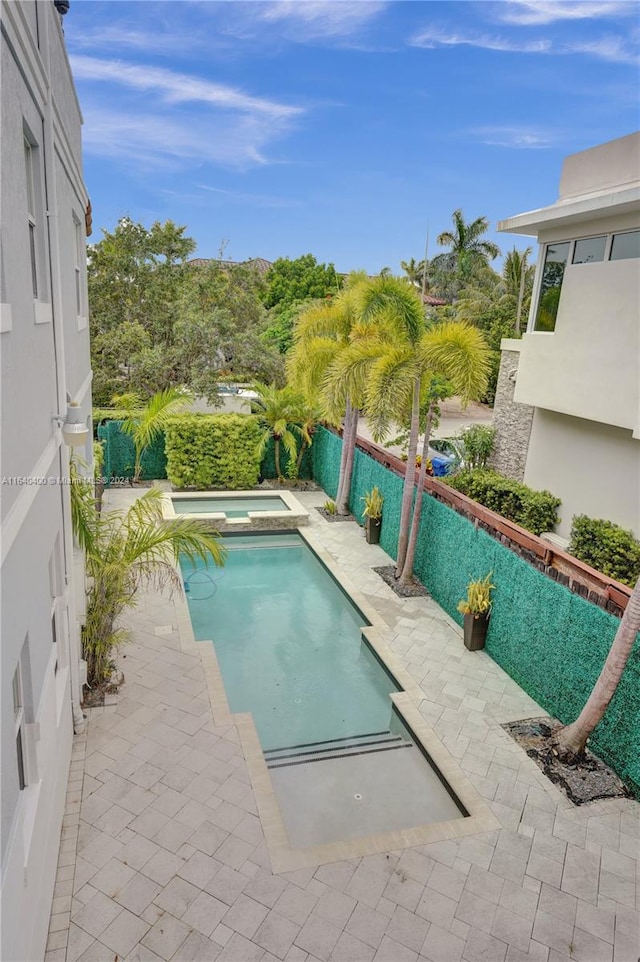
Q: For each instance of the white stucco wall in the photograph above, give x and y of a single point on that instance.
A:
(594, 468)
(44, 353)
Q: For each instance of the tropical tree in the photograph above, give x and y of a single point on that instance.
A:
(517, 276)
(322, 333)
(414, 270)
(279, 412)
(570, 741)
(466, 243)
(124, 551)
(144, 422)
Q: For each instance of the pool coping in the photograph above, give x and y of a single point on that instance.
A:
(285, 858)
(291, 519)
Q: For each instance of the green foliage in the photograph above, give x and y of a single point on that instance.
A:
(373, 502)
(478, 441)
(551, 641)
(607, 547)
(330, 506)
(144, 424)
(120, 453)
(478, 600)
(123, 552)
(213, 451)
(292, 281)
(537, 511)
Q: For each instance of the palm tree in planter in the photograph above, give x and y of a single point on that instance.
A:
(144, 422)
(125, 551)
(279, 412)
(570, 741)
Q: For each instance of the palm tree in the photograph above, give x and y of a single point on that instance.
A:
(323, 331)
(465, 241)
(414, 270)
(125, 551)
(279, 411)
(517, 276)
(570, 741)
(144, 422)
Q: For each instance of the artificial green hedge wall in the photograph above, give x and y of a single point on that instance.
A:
(551, 641)
(212, 452)
(120, 455)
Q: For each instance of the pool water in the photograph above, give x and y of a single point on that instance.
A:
(232, 507)
(288, 642)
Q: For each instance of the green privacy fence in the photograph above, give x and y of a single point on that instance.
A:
(119, 452)
(551, 641)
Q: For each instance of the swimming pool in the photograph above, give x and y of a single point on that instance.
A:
(231, 507)
(291, 652)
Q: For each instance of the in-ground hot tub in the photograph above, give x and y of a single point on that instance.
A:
(238, 510)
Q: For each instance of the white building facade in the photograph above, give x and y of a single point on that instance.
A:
(44, 357)
(579, 365)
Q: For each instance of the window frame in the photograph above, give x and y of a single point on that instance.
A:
(18, 728)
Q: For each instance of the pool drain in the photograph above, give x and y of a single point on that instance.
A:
(358, 797)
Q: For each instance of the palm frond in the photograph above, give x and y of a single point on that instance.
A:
(459, 353)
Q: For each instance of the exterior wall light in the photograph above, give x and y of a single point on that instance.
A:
(75, 428)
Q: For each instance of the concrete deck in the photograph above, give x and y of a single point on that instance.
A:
(163, 854)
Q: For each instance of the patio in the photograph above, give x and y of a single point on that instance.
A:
(163, 854)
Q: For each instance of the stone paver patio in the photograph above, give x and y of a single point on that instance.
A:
(163, 855)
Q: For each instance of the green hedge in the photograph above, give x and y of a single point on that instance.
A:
(537, 511)
(550, 640)
(216, 451)
(607, 547)
(120, 454)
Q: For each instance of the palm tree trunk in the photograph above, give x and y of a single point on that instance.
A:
(407, 570)
(346, 427)
(409, 479)
(571, 740)
(342, 507)
(276, 455)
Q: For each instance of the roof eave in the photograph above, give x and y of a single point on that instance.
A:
(573, 211)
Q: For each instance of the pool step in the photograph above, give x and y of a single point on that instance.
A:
(334, 748)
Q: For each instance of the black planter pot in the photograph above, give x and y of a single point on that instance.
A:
(372, 530)
(475, 631)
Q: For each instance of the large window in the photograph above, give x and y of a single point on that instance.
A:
(32, 225)
(625, 245)
(78, 254)
(555, 262)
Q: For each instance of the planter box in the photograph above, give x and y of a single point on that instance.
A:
(475, 631)
(372, 528)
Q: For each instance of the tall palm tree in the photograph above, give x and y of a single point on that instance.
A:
(279, 411)
(517, 276)
(144, 422)
(322, 332)
(125, 551)
(570, 741)
(414, 270)
(466, 243)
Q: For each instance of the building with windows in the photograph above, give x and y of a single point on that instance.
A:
(44, 358)
(577, 369)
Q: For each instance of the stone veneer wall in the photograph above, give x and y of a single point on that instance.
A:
(511, 420)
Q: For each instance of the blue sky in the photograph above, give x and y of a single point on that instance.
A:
(342, 128)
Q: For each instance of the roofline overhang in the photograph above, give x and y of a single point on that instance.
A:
(573, 211)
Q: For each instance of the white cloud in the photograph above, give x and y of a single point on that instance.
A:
(614, 48)
(522, 138)
(541, 12)
(314, 19)
(433, 37)
(177, 88)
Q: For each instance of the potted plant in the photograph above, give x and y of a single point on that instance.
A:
(476, 608)
(373, 502)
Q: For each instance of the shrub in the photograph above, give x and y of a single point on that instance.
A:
(212, 451)
(607, 547)
(478, 441)
(537, 511)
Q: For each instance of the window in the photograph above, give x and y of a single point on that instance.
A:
(54, 638)
(18, 718)
(625, 246)
(29, 163)
(589, 250)
(550, 286)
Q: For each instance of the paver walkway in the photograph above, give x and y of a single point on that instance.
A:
(163, 855)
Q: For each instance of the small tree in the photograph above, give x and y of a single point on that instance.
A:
(144, 422)
(478, 441)
(279, 413)
(125, 551)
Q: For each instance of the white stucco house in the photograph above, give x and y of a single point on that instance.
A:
(44, 357)
(579, 363)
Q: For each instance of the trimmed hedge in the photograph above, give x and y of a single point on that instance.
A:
(120, 454)
(607, 547)
(537, 511)
(212, 451)
(550, 640)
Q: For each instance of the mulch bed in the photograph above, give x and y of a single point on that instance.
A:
(583, 782)
(334, 517)
(414, 590)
